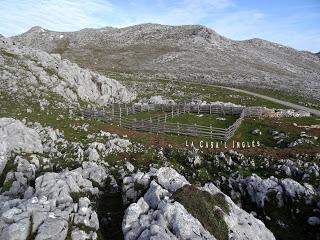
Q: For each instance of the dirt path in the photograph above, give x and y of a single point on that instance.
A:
(285, 103)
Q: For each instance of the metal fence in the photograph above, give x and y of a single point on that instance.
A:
(119, 113)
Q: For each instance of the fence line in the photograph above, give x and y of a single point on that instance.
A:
(158, 124)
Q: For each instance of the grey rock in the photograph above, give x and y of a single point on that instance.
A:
(170, 179)
(52, 228)
(241, 223)
(19, 137)
(256, 132)
(117, 145)
(314, 221)
(15, 136)
(155, 194)
(35, 71)
(157, 216)
(93, 155)
(129, 166)
(85, 215)
(16, 231)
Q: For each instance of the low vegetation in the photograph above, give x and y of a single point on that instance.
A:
(208, 209)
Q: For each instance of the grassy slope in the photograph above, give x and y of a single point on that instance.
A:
(308, 102)
(181, 92)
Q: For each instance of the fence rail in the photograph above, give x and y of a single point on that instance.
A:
(158, 124)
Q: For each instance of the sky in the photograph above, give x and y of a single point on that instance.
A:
(294, 23)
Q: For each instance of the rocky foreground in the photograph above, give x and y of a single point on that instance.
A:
(41, 199)
(41, 204)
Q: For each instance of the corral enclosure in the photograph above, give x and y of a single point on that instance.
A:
(182, 119)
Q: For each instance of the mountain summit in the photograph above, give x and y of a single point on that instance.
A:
(189, 52)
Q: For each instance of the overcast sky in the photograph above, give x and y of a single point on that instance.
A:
(294, 23)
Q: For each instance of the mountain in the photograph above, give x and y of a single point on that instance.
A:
(25, 72)
(189, 52)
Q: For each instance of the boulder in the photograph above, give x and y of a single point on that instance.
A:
(117, 145)
(15, 136)
(18, 137)
(170, 179)
(241, 224)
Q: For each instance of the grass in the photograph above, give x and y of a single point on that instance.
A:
(7, 185)
(77, 195)
(181, 91)
(208, 209)
(9, 166)
(291, 218)
(205, 119)
(244, 132)
(7, 54)
(144, 115)
(301, 100)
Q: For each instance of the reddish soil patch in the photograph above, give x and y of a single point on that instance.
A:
(162, 140)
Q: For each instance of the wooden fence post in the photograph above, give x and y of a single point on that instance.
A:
(119, 115)
(198, 109)
(178, 129)
(135, 124)
(227, 134)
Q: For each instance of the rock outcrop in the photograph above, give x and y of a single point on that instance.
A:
(30, 71)
(55, 207)
(156, 215)
(15, 136)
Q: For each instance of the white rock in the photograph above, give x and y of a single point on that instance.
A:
(170, 179)
(314, 221)
(241, 224)
(19, 137)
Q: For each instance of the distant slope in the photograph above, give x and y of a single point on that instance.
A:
(188, 52)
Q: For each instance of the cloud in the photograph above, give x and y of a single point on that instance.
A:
(192, 11)
(64, 15)
(240, 25)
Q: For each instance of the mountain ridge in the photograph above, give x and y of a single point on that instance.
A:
(186, 52)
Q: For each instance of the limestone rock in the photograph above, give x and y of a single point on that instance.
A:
(18, 136)
(50, 73)
(170, 179)
(241, 224)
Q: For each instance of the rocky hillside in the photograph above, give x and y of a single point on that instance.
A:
(184, 53)
(25, 72)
